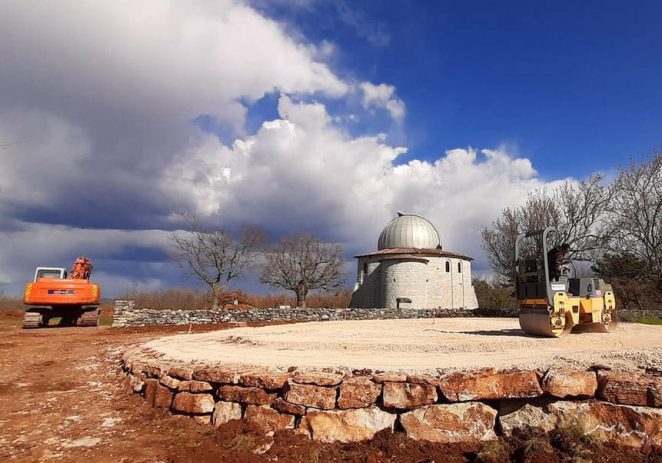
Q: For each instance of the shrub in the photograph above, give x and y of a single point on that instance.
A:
(493, 295)
(11, 305)
(173, 298)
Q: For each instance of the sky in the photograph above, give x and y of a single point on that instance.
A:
(118, 119)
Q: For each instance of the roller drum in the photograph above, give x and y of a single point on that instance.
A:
(539, 322)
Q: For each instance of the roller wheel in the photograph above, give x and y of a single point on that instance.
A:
(607, 325)
(539, 322)
(88, 318)
(32, 320)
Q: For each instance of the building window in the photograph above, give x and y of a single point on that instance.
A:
(459, 267)
(365, 268)
(448, 266)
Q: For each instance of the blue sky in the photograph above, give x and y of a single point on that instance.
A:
(319, 115)
(566, 83)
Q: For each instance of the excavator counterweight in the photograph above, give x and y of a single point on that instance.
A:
(73, 299)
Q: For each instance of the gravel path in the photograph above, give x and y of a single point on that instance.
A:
(422, 346)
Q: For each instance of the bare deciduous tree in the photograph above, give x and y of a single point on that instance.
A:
(636, 216)
(301, 263)
(214, 256)
(575, 210)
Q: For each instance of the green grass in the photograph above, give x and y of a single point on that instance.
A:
(106, 320)
(649, 320)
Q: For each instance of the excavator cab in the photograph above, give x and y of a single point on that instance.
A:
(55, 273)
(552, 304)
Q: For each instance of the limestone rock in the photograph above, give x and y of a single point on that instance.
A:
(181, 372)
(318, 379)
(423, 379)
(163, 397)
(136, 383)
(193, 403)
(286, 407)
(622, 424)
(464, 422)
(247, 395)
(169, 381)
(490, 384)
(570, 383)
(266, 419)
(264, 380)
(201, 419)
(152, 370)
(347, 425)
(195, 386)
(224, 412)
(655, 394)
(389, 377)
(527, 417)
(150, 390)
(628, 388)
(304, 428)
(408, 396)
(216, 374)
(309, 395)
(358, 392)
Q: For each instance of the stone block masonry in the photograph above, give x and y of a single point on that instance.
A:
(127, 314)
(450, 407)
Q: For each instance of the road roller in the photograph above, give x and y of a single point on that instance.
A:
(553, 302)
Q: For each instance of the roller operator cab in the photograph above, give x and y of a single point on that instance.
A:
(72, 298)
(553, 301)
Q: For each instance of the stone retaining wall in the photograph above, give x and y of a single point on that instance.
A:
(127, 314)
(349, 406)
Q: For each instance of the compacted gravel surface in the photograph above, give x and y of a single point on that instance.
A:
(423, 346)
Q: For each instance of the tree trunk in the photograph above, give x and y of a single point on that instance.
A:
(301, 293)
(215, 292)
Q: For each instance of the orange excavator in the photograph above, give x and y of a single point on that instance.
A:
(73, 299)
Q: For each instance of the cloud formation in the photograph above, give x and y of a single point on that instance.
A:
(383, 96)
(101, 102)
(302, 169)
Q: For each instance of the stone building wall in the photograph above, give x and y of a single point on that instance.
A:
(405, 278)
(368, 282)
(424, 280)
(127, 314)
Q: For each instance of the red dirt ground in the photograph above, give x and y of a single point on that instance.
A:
(61, 400)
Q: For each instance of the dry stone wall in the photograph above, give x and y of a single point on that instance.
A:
(127, 314)
(350, 406)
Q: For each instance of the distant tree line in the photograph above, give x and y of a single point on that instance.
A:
(617, 225)
(299, 263)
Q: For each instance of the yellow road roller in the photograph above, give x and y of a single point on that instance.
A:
(551, 300)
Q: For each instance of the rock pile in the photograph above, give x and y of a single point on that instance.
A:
(344, 406)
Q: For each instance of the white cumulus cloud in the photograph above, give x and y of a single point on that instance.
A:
(301, 171)
(383, 96)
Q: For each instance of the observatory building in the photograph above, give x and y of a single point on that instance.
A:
(410, 269)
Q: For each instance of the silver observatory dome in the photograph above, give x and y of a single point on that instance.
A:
(409, 231)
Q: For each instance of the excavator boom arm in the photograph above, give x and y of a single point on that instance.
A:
(82, 269)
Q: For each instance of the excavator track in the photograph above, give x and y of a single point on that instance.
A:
(32, 320)
(88, 318)
(539, 322)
